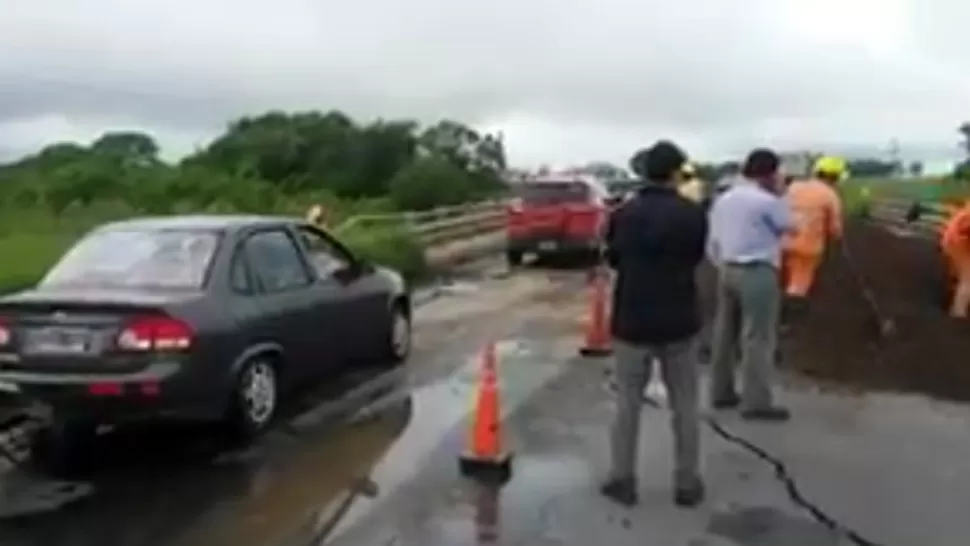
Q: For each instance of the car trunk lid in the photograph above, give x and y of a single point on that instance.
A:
(54, 327)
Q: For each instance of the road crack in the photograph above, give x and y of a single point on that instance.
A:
(790, 485)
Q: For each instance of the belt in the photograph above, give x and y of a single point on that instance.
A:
(754, 263)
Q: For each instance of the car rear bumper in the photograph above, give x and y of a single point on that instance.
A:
(554, 244)
(161, 391)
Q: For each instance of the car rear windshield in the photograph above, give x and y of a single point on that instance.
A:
(137, 258)
(554, 193)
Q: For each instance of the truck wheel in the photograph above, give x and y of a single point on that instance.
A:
(254, 401)
(513, 257)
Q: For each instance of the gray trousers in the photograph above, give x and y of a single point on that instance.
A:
(748, 307)
(680, 373)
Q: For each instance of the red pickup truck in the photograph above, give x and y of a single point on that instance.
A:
(556, 215)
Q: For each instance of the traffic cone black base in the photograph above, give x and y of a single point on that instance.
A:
(496, 471)
(595, 352)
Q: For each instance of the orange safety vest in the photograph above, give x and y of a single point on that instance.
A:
(817, 212)
(955, 232)
(949, 211)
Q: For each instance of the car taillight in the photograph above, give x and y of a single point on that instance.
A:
(155, 333)
(5, 334)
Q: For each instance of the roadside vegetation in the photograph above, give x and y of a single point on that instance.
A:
(277, 163)
(881, 179)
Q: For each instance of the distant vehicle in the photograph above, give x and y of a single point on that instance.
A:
(198, 318)
(556, 215)
(622, 189)
(797, 165)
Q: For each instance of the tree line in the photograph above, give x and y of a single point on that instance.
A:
(261, 160)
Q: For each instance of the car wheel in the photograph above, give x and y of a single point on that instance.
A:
(513, 257)
(399, 338)
(255, 399)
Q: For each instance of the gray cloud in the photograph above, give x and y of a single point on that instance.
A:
(720, 74)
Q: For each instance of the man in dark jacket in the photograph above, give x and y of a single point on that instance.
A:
(655, 241)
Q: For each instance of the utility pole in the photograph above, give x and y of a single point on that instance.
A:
(894, 156)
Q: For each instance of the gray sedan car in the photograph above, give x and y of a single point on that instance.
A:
(199, 318)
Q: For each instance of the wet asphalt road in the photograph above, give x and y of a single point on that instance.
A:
(163, 486)
(372, 461)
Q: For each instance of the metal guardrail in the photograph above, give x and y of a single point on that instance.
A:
(910, 218)
(440, 225)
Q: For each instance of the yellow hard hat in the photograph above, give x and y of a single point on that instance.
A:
(688, 169)
(830, 165)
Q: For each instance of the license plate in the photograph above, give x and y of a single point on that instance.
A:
(6, 386)
(59, 341)
(548, 245)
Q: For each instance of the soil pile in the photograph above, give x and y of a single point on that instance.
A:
(838, 340)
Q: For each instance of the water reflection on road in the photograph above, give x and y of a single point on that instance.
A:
(172, 486)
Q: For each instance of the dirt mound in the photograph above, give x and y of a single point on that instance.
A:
(838, 341)
(838, 338)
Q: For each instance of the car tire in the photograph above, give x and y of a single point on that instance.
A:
(255, 399)
(513, 257)
(399, 336)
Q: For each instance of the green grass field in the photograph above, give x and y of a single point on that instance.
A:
(858, 192)
(31, 240)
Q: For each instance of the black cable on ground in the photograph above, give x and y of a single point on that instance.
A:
(791, 487)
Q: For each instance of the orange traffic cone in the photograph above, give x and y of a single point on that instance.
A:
(598, 341)
(486, 460)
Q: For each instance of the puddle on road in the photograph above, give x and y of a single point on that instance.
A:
(180, 486)
(333, 463)
(436, 425)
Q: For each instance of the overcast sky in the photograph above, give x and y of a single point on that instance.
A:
(566, 80)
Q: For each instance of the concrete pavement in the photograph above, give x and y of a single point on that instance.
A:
(847, 470)
(167, 486)
(377, 465)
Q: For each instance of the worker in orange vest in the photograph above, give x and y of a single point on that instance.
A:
(817, 212)
(955, 245)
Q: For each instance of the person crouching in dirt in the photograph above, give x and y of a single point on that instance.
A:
(955, 246)
(817, 214)
(655, 242)
(747, 224)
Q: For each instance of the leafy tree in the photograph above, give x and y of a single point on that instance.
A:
(262, 162)
(871, 167)
(127, 148)
(429, 182)
(916, 168)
